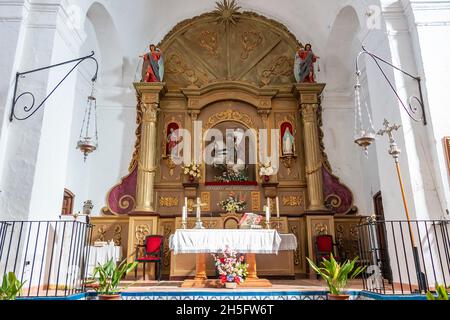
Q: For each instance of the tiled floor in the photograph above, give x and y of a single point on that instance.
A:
(278, 285)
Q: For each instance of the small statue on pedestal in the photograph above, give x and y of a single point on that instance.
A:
(87, 208)
(153, 67)
(304, 65)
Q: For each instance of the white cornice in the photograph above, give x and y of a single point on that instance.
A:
(14, 11)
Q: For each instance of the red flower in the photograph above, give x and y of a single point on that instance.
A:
(222, 260)
(223, 279)
(237, 280)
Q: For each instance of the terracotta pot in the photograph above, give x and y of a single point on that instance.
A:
(231, 285)
(338, 297)
(107, 297)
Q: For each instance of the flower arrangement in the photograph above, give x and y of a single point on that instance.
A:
(231, 204)
(192, 170)
(266, 169)
(231, 266)
(230, 173)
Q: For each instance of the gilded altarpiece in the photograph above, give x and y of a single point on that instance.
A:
(229, 76)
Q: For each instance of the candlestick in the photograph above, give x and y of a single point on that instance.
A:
(199, 223)
(268, 214)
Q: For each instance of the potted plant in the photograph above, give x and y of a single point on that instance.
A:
(441, 291)
(192, 170)
(231, 268)
(11, 287)
(109, 276)
(337, 275)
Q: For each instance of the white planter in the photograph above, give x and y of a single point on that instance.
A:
(231, 285)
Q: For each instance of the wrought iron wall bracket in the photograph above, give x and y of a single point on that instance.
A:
(30, 110)
(410, 109)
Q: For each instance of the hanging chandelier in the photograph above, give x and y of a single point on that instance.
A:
(414, 107)
(88, 141)
(364, 136)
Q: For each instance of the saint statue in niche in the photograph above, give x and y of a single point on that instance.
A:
(304, 65)
(172, 140)
(153, 67)
(288, 140)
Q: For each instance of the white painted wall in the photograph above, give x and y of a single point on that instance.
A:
(38, 158)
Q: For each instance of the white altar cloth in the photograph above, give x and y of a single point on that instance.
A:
(243, 241)
(101, 255)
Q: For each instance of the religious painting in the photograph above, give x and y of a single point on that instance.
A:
(287, 139)
(172, 139)
(231, 156)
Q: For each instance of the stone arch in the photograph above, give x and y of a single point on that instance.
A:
(108, 43)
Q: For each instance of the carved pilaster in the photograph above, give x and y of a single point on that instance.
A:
(150, 94)
(309, 107)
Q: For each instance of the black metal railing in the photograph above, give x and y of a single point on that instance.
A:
(49, 256)
(404, 257)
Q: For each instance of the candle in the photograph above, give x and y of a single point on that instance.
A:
(278, 207)
(186, 202)
(184, 214)
(198, 209)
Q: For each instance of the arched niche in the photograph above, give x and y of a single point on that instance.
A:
(108, 44)
(342, 48)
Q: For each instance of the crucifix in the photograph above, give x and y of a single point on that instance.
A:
(395, 151)
(198, 206)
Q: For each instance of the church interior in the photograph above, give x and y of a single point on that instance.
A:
(156, 134)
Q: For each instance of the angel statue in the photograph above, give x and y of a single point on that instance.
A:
(153, 67)
(304, 65)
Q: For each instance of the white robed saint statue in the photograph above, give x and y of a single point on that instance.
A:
(288, 143)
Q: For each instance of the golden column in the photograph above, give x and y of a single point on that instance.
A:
(309, 95)
(150, 95)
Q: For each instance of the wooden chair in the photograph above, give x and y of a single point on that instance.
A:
(324, 247)
(153, 253)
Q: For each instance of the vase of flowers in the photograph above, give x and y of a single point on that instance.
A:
(231, 268)
(192, 170)
(232, 204)
(266, 171)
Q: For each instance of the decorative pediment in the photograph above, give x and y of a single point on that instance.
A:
(248, 48)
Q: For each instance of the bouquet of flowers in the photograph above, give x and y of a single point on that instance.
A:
(192, 170)
(266, 169)
(231, 204)
(231, 266)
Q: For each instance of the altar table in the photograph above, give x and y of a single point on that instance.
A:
(249, 242)
(101, 255)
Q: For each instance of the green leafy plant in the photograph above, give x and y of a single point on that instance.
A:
(335, 274)
(109, 276)
(441, 291)
(11, 287)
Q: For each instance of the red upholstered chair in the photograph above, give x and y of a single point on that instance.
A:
(153, 253)
(323, 247)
